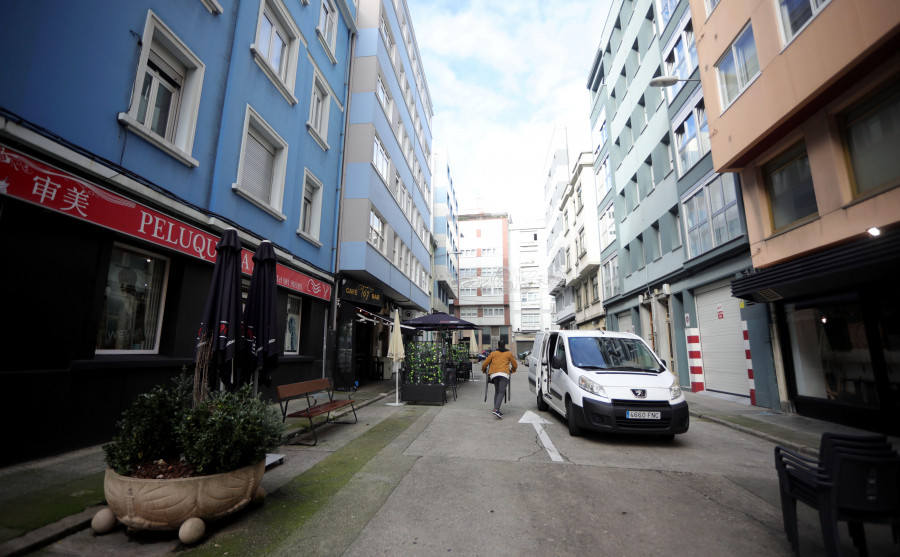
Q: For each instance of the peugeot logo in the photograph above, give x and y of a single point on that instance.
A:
(639, 393)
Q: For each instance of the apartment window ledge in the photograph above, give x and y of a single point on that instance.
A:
(315, 135)
(273, 77)
(134, 126)
(236, 187)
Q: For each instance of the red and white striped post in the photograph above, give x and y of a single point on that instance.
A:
(750, 379)
(695, 360)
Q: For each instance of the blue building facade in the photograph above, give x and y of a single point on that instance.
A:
(131, 136)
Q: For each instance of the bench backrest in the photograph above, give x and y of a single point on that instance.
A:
(304, 387)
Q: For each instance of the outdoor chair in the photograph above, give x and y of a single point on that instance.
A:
(463, 371)
(450, 378)
(856, 479)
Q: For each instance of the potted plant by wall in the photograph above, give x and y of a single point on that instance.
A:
(423, 378)
(174, 464)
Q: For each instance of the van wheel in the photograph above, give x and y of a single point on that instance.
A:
(541, 403)
(574, 428)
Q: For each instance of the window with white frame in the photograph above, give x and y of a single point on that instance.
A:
(398, 251)
(277, 46)
(383, 98)
(311, 207)
(491, 291)
(582, 242)
(692, 137)
(133, 302)
(376, 231)
(292, 327)
(604, 178)
(468, 292)
(492, 312)
(327, 28)
(531, 320)
(166, 94)
(610, 272)
(711, 215)
(711, 5)
(486, 252)
(599, 132)
(318, 112)
(468, 312)
(531, 296)
(380, 159)
(795, 14)
(666, 11)
(738, 67)
(492, 271)
(261, 170)
(468, 272)
(682, 59)
(595, 288)
(607, 226)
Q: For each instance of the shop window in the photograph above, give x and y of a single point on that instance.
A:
(790, 187)
(292, 327)
(872, 134)
(831, 354)
(133, 302)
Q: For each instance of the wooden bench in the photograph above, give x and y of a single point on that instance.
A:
(312, 391)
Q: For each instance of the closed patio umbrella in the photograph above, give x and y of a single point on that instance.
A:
(473, 349)
(219, 337)
(260, 328)
(396, 352)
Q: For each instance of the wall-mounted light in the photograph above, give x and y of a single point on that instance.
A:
(874, 231)
(667, 81)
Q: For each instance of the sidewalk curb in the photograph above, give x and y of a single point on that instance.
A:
(45, 535)
(792, 445)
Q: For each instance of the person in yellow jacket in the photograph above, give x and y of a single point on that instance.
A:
(502, 363)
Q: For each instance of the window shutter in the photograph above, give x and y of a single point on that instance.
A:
(258, 169)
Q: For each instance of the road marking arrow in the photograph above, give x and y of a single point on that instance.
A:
(531, 418)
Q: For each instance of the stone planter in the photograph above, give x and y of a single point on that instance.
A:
(183, 504)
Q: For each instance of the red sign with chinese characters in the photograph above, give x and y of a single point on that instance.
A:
(24, 178)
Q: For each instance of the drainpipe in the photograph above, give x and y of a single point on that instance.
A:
(339, 208)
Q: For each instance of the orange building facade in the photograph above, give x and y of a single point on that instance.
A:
(803, 100)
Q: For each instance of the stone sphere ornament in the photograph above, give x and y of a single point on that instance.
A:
(104, 521)
(192, 531)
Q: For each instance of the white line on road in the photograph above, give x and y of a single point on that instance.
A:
(531, 418)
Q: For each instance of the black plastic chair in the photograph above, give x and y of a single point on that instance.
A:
(856, 479)
(450, 379)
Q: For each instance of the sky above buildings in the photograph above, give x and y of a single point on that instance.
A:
(501, 76)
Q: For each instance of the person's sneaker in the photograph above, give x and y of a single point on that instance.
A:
(498, 414)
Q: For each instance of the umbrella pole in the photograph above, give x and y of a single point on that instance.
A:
(396, 388)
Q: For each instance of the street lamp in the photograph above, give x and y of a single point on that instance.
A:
(667, 81)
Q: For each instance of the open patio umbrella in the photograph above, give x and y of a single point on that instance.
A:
(439, 321)
(219, 337)
(260, 328)
(396, 353)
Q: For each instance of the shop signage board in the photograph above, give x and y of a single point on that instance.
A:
(359, 292)
(40, 184)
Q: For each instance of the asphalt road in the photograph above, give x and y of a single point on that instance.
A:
(453, 479)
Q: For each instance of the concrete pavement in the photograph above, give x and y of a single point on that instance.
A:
(43, 501)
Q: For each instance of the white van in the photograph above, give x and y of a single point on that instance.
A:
(606, 381)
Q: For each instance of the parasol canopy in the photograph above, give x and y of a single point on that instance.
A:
(396, 351)
(439, 321)
(219, 334)
(260, 327)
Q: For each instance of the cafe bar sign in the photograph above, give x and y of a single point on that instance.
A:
(358, 292)
(29, 180)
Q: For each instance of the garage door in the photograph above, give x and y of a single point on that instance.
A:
(722, 340)
(625, 324)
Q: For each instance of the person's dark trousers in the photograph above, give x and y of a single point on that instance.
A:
(500, 382)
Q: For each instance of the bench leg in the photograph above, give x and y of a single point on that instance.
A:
(355, 419)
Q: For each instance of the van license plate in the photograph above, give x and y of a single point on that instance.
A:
(642, 415)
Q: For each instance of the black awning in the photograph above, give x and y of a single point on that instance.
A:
(847, 266)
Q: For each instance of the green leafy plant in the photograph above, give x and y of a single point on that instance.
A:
(147, 429)
(424, 360)
(228, 430)
(223, 432)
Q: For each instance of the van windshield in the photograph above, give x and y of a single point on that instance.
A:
(613, 354)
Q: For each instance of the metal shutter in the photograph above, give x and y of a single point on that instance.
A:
(722, 341)
(258, 170)
(625, 323)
